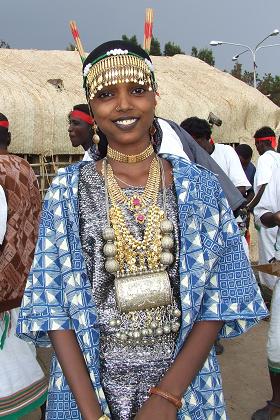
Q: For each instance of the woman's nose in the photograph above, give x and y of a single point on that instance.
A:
(124, 103)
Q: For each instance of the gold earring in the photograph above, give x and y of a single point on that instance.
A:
(152, 132)
(95, 137)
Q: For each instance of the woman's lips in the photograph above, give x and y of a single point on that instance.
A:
(126, 123)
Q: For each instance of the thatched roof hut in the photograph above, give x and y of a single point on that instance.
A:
(38, 89)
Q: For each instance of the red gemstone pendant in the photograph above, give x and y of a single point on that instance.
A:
(140, 218)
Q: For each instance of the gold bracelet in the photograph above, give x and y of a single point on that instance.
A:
(104, 417)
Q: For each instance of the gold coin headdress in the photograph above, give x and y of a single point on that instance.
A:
(116, 66)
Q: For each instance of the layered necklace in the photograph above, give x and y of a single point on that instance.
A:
(142, 286)
(121, 157)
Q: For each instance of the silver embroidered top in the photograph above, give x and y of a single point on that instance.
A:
(127, 371)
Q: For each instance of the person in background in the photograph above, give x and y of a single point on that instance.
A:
(227, 159)
(23, 387)
(265, 142)
(3, 214)
(267, 212)
(224, 155)
(80, 128)
(131, 220)
(245, 153)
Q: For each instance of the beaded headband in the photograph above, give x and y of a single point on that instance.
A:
(118, 66)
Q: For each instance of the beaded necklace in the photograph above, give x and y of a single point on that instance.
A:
(138, 202)
(121, 157)
(142, 285)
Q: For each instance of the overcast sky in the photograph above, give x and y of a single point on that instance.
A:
(42, 24)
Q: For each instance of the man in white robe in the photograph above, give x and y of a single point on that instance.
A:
(267, 212)
(265, 142)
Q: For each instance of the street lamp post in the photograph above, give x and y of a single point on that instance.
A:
(253, 51)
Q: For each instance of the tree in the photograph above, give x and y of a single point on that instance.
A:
(204, 54)
(4, 44)
(132, 39)
(70, 47)
(237, 71)
(155, 47)
(270, 86)
(194, 52)
(246, 76)
(171, 49)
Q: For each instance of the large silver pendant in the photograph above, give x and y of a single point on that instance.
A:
(143, 291)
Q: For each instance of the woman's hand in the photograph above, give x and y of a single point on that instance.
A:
(157, 408)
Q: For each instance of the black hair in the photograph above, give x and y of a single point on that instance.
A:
(197, 127)
(264, 132)
(244, 150)
(4, 132)
(82, 107)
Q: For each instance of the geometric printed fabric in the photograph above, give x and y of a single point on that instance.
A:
(24, 205)
(216, 283)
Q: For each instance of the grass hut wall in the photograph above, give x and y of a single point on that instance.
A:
(39, 88)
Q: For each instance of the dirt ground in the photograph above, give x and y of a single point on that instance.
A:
(244, 372)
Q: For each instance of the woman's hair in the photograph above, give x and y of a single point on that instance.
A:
(197, 128)
(244, 150)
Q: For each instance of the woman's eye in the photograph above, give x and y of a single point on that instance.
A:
(105, 94)
(138, 90)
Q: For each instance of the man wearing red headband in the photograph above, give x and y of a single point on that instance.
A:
(23, 386)
(80, 128)
(267, 213)
(265, 142)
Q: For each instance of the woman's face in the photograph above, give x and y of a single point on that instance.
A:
(79, 132)
(124, 113)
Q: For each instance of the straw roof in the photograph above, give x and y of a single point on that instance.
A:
(38, 89)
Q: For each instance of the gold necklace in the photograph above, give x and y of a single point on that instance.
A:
(121, 157)
(124, 253)
(137, 202)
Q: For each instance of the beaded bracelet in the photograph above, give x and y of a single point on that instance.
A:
(169, 397)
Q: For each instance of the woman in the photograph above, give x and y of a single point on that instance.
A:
(139, 266)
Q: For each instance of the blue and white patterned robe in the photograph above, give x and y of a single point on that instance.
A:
(216, 283)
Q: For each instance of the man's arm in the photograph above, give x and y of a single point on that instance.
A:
(257, 198)
(271, 219)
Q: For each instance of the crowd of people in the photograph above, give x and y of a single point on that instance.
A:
(137, 264)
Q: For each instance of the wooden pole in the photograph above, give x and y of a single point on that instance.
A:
(76, 37)
(148, 29)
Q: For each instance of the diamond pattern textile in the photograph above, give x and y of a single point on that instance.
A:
(217, 283)
(24, 205)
